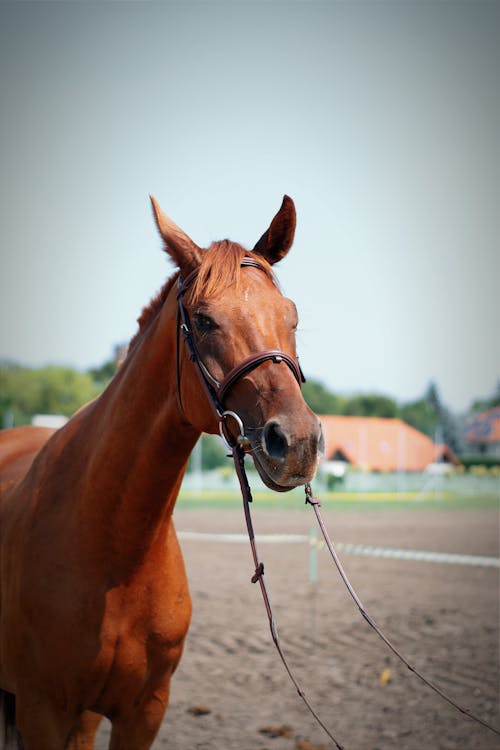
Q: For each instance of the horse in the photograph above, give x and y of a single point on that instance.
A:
(94, 601)
(18, 448)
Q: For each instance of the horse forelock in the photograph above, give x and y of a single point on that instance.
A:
(221, 268)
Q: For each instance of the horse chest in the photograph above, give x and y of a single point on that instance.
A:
(146, 615)
(141, 644)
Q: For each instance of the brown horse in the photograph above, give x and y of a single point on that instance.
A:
(94, 599)
(18, 448)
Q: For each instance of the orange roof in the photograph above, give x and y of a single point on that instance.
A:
(380, 444)
(485, 427)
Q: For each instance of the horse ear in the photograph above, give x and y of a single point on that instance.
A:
(178, 245)
(277, 240)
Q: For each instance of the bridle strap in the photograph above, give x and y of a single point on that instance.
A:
(217, 390)
(258, 576)
(184, 284)
(249, 364)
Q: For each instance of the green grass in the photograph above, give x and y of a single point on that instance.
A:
(341, 500)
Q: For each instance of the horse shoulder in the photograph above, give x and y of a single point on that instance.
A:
(155, 604)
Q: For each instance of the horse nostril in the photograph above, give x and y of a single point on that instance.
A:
(275, 441)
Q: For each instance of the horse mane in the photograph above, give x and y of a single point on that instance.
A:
(220, 268)
(151, 311)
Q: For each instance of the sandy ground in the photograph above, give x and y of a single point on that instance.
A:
(444, 617)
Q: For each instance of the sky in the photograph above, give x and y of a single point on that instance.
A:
(380, 119)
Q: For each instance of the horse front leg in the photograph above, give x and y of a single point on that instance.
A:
(138, 729)
(83, 732)
(41, 724)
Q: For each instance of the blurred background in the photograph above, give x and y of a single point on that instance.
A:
(381, 120)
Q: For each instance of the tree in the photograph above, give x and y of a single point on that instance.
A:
(370, 405)
(320, 399)
(484, 404)
(447, 424)
(47, 390)
(421, 415)
(103, 374)
(213, 453)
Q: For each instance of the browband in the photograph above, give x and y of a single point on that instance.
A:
(184, 284)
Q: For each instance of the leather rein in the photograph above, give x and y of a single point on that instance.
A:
(216, 391)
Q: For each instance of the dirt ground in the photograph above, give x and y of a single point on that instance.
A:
(231, 690)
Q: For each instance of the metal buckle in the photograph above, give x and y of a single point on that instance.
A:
(224, 433)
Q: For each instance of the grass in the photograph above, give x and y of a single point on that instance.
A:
(341, 501)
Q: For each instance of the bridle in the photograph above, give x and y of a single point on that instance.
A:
(216, 392)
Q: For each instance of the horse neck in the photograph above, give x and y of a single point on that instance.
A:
(140, 448)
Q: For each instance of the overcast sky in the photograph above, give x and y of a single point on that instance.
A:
(380, 119)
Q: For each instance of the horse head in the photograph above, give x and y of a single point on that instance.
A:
(234, 313)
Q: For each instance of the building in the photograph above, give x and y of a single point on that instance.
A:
(54, 421)
(482, 432)
(377, 444)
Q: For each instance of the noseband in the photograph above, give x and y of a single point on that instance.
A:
(217, 390)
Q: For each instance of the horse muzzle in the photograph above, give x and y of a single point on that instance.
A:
(286, 455)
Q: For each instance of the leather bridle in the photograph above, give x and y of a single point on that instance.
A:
(217, 390)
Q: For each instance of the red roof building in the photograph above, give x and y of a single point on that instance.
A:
(377, 444)
(483, 431)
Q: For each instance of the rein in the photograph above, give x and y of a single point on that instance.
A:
(312, 500)
(239, 458)
(216, 391)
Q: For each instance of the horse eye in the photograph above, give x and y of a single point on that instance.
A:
(203, 323)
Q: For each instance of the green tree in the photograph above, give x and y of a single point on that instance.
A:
(64, 390)
(320, 399)
(103, 374)
(421, 415)
(213, 454)
(47, 390)
(370, 405)
(484, 404)
(447, 424)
